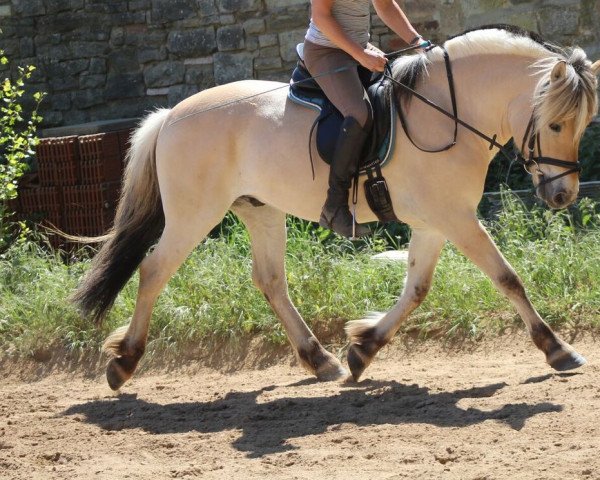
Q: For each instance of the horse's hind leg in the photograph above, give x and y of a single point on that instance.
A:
(473, 240)
(369, 335)
(127, 344)
(266, 226)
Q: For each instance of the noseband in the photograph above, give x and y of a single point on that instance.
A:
(533, 140)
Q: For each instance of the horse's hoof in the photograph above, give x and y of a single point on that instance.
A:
(564, 360)
(357, 361)
(331, 372)
(115, 375)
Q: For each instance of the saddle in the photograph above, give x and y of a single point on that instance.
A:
(305, 91)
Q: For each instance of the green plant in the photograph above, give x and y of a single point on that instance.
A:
(17, 140)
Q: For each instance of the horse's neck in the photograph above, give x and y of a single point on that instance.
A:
(487, 86)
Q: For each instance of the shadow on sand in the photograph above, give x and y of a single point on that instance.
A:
(266, 425)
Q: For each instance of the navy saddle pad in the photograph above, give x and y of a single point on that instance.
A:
(378, 148)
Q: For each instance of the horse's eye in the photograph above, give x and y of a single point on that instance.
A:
(555, 127)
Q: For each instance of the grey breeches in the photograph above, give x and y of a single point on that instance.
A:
(343, 89)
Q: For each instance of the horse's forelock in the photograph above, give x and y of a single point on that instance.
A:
(573, 97)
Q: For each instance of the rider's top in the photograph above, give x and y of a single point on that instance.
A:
(354, 18)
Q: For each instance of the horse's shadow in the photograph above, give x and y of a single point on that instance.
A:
(266, 426)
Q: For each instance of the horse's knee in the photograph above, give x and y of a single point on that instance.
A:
(268, 284)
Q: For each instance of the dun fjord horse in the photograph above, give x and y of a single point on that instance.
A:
(189, 165)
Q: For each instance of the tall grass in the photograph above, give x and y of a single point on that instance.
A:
(331, 280)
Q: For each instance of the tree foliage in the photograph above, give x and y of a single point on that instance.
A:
(17, 137)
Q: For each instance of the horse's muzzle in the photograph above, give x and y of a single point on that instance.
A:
(556, 198)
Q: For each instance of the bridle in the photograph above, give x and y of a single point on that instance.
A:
(533, 161)
(531, 136)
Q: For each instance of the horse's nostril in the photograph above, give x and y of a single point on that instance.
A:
(560, 198)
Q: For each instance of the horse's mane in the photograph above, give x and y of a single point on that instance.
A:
(573, 97)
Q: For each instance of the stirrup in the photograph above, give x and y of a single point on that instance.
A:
(356, 230)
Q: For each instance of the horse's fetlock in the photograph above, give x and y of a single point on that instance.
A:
(544, 338)
(312, 354)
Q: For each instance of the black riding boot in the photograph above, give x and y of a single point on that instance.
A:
(336, 214)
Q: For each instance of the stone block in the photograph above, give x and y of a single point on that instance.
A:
(206, 7)
(254, 25)
(268, 40)
(252, 43)
(124, 85)
(200, 41)
(26, 47)
(267, 63)
(60, 101)
(140, 36)
(87, 98)
(97, 65)
(556, 22)
(5, 11)
(239, 5)
(92, 81)
(269, 51)
(89, 49)
(164, 74)
(123, 60)
(226, 19)
(150, 54)
(164, 11)
(177, 93)
(129, 18)
(202, 76)
(283, 4)
(69, 68)
(135, 5)
(29, 8)
(230, 67)
(286, 21)
(57, 6)
(117, 36)
(155, 92)
(288, 42)
(102, 6)
(230, 38)
(62, 84)
(199, 61)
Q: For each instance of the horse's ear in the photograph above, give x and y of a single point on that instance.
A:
(559, 71)
(596, 67)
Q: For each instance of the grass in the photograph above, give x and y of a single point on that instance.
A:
(331, 280)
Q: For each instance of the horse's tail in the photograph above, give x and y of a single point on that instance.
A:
(139, 221)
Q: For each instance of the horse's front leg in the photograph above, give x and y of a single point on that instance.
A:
(472, 239)
(369, 335)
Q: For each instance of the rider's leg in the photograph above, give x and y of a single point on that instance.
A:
(344, 89)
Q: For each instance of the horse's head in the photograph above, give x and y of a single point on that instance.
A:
(564, 102)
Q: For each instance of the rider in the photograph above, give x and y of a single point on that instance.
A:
(338, 36)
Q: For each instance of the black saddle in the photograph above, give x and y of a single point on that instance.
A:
(304, 90)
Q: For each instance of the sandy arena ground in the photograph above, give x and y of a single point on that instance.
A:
(487, 411)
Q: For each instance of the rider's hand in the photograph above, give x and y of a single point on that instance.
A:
(372, 59)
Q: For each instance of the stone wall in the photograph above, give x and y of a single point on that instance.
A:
(101, 60)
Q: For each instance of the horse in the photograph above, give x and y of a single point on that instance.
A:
(241, 147)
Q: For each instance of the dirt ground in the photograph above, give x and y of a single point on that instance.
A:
(424, 410)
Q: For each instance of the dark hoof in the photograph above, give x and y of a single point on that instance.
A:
(115, 374)
(356, 361)
(566, 360)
